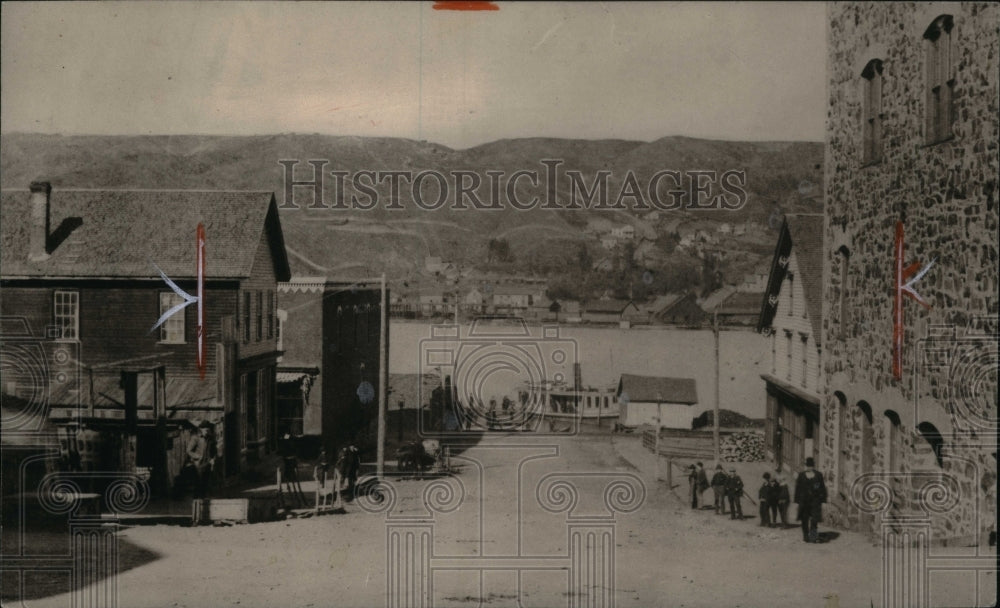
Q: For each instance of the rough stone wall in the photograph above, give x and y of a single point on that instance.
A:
(946, 195)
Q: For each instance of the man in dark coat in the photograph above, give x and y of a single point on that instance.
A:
(810, 494)
(734, 492)
(719, 489)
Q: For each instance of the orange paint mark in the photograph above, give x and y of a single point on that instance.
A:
(465, 5)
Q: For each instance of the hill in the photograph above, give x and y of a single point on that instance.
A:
(780, 177)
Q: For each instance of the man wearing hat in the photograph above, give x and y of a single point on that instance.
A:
(734, 492)
(810, 494)
(719, 489)
(198, 457)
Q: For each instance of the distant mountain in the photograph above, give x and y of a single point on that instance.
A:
(784, 176)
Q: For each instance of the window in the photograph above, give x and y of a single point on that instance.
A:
(172, 329)
(843, 449)
(246, 316)
(788, 354)
(893, 439)
(845, 259)
(805, 359)
(774, 352)
(260, 315)
(872, 107)
(271, 308)
(940, 82)
(791, 293)
(67, 314)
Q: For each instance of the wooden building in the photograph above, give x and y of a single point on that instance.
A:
(82, 289)
(791, 313)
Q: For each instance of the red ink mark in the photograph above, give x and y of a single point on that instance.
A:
(200, 257)
(903, 287)
(462, 5)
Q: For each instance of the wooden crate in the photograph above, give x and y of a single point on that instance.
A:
(241, 510)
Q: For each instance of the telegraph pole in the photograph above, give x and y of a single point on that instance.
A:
(715, 415)
(383, 380)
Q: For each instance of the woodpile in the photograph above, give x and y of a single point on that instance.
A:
(742, 447)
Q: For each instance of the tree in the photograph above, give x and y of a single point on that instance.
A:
(583, 259)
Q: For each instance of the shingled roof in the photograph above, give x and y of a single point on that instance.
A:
(807, 242)
(118, 233)
(654, 389)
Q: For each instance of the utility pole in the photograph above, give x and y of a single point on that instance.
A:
(715, 415)
(383, 380)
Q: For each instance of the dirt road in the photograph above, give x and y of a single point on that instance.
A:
(504, 532)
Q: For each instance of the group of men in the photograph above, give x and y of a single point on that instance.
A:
(810, 494)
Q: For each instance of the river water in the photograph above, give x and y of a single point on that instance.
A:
(606, 353)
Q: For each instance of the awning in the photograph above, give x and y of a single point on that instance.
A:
(291, 377)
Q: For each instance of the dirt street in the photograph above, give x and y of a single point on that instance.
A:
(661, 553)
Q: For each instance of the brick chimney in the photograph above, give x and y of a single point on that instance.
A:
(39, 229)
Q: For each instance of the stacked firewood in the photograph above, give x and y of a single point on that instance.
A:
(742, 447)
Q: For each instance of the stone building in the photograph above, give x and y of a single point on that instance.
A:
(911, 177)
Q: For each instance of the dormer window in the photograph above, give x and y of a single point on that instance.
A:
(940, 79)
(872, 107)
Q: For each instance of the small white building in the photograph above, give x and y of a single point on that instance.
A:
(656, 399)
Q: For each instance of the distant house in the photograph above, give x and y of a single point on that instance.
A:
(791, 315)
(570, 311)
(725, 228)
(609, 243)
(433, 301)
(474, 302)
(79, 286)
(656, 400)
(754, 282)
(613, 311)
(710, 302)
(330, 334)
(623, 232)
(740, 308)
(676, 309)
(436, 266)
(515, 299)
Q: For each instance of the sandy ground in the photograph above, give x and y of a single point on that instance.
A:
(665, 553)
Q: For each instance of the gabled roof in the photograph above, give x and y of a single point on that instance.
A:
(515, 290)
(658, 389)
(807, 242)
(664, 302)
(802, 233)
(740, 303)
(615, 306)
(118, 233)
(714, 299)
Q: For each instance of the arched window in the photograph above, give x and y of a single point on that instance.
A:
(933, 438)
(845, 260)
(940, 79)
(892, 441)
(843, 451)
(872, 108)
(867, 436)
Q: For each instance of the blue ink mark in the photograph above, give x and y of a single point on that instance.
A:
(188, 299)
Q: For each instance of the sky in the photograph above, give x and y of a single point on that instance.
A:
(739, 71)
